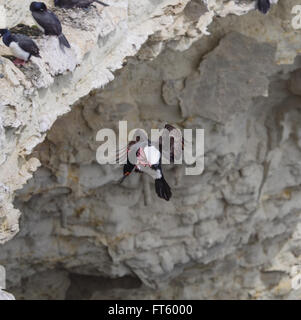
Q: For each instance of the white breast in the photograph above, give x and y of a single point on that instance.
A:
(18, 52)
(152, 154)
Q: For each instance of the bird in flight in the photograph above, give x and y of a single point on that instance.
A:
(145, 156)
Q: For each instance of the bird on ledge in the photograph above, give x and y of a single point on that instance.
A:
(263, 6)
(68, 4)
(48, 22)
(22, 47)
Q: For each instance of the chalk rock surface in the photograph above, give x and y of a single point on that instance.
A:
(232, 232)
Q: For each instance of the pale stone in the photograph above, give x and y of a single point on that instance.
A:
(232, 232)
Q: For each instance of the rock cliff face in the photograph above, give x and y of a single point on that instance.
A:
(232, 232)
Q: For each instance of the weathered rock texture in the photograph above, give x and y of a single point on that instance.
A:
(232, 232)
(32, 98)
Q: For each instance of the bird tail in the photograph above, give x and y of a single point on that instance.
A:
(163, 189)
(102, 3)
(63, 42)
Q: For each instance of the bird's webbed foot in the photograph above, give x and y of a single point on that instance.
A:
(18, 62)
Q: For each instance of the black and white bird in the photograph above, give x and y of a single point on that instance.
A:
(48, 22)
(146, 157)
(263, 6)
(68, 4)
(22, 47)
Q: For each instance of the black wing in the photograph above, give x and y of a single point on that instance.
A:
(82, 3)
(27, 44)
(174, 137)
(130, 152)
(49, 21)
(140, 140)
(68, 4)
(77, 3)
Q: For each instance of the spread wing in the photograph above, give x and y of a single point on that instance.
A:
(49, 21)
(27, 44)
(173, 137)
(139, 140)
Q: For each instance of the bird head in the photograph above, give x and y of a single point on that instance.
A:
(38, 6)
(3, 32)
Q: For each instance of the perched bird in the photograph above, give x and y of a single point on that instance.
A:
(263, 6)
(76, 3)
(146, 156)
(21, 46)
(48, 22)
